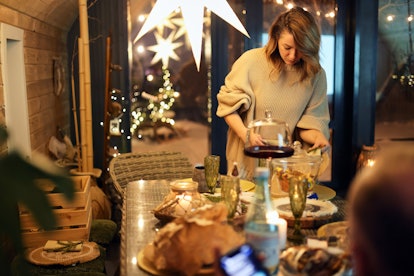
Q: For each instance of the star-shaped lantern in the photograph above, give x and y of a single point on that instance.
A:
(193, 14)
(164, 50)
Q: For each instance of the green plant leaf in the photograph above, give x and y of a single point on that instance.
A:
(19, 185)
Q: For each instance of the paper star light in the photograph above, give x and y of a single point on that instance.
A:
(164, 50)
(193, 14)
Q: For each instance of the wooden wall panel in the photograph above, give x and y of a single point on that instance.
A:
(43, 42)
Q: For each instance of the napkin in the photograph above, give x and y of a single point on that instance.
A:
(62, 246)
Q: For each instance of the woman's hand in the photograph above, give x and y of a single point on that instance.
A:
(315, 138)
(254, 139)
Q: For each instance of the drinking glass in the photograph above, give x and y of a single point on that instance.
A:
(211, 168)
(298, 189)
(230, 193)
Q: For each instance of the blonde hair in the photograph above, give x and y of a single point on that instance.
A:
(305, 31)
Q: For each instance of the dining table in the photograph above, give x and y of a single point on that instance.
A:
(139, 225)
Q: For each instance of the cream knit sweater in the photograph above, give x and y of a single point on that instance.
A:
(252, 86)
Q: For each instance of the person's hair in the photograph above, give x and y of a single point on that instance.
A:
(305, 31)
(382, 212)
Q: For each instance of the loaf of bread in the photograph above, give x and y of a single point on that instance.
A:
(304, 260)
(187, 244)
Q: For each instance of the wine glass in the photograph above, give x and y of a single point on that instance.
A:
(298, 189)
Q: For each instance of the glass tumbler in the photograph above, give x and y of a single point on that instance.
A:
(211, 169)
(230, 193)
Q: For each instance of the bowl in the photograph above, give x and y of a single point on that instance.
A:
(305, 166)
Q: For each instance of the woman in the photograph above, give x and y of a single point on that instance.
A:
(284, 77)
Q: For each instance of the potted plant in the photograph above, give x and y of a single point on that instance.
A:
(19, 185)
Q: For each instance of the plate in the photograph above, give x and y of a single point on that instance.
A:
(316, 212)
(245, 185)
(336, 233)
(90, 251)
(149, 267)
(324, 192)
(339, 228)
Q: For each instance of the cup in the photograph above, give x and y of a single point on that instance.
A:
(230, 193)
(211, 169)
(199, 176)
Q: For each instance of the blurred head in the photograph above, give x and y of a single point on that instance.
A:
(381, 214)
(294, 39)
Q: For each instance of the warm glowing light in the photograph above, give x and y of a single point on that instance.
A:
(150, 77)
(141, 18)
(289, 6)
(164, 50)
(330, 14)
(370, 163)
(390, 18)
(410, 18)
(193, 14)
(134, 260)
(141, 222)
(140, 49)
(272, 217)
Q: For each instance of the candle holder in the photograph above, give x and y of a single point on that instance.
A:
(367, 156)
(182, 199)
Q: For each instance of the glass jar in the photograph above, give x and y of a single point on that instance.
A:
(182, 199)
(367, 156)
(299, 164)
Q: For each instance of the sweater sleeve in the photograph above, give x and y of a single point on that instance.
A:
(236, 94)
(316, 115)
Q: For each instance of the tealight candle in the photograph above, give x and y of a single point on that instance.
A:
(274, 218)
(282, 225)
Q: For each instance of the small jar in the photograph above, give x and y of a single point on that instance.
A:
(199, 176)
(367, 156)
(182, 199)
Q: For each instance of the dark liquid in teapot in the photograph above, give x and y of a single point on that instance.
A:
(268, 151)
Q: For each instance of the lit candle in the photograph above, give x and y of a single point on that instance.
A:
(282, 225)
(273, 218)
(183, 205)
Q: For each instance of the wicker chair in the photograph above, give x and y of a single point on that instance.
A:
(168, 165)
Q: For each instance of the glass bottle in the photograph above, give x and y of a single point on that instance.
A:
(261, 234)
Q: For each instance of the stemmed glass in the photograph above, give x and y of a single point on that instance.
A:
(298, 189)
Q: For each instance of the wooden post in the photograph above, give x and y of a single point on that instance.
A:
(107, 103)
(85, 86)
(82, 108)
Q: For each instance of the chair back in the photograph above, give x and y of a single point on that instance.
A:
(128, 167)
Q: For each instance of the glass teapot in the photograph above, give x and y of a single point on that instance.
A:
(268, 138)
